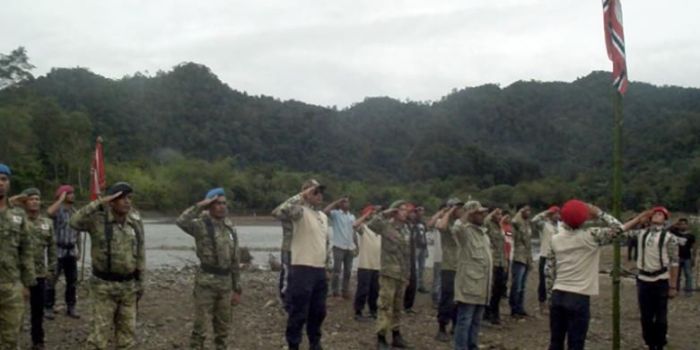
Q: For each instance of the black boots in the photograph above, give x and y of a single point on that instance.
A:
(398, 341)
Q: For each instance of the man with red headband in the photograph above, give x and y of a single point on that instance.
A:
(546, 222)
(67, 249)
(572, 271)
(657, 262)
(369, 245)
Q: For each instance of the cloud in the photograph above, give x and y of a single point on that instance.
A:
(338, 52)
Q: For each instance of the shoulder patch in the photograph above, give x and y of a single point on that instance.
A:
(45, 226)
(135, 215)
(16, 219)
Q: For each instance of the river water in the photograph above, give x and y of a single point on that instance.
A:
(168, 245)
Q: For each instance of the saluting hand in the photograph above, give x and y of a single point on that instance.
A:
(107, 199)
(235, 298)
(206, 201)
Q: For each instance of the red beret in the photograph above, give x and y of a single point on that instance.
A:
(553, 209)
(64, 188)
(661, 209)
(574, 213)
(366, 210)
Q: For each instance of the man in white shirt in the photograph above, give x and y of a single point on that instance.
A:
(657, 262)
(307, 283)
(572, 271)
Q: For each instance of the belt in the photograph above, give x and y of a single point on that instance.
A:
(653, 273)
(114, 277)
(215, 270)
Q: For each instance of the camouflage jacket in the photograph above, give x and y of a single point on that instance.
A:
(287, 234)
(123, 253)
(449, 247)
(493, 229)
(522, 238)
(217, 246)
(396, 247)
(44, 246)
(16, 255)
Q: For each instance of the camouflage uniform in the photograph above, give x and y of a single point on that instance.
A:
(16, 273)
(394, 272)
(218, 274)
(45, 261)
(44, 246)
(118, 266)
(285, 259)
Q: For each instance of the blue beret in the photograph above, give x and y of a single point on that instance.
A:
(215, 192)
(4, 169)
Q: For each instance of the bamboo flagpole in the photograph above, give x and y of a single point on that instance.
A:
(615, 44)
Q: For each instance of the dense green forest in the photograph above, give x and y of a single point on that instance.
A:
(178, 132)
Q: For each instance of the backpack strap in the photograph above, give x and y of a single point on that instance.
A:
(661, 248)
(643, 242)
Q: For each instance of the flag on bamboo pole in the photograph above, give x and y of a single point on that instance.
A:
(615, 43)
(97, 172)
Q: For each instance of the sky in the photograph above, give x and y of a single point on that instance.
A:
(337, 52)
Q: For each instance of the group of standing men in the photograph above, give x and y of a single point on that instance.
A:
(36, 249)
(479, 247)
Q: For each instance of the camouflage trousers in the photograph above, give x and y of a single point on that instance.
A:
(212, 297)
(113, 304)
(391, 291)
(11, 314)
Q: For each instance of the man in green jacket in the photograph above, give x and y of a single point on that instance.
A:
(446, 310)
(473, 279)
(16, 265)
(492, 225)
(394, 271)
(216, 286)
(522, 260)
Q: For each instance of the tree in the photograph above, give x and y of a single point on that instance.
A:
(14, 68)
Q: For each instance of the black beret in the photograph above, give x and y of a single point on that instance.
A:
(122, 187)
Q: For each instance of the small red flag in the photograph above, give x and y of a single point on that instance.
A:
(97, 172)
(615, 43)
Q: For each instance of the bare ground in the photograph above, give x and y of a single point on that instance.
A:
(165, 319)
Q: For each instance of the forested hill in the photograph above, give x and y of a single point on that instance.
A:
(509, 143)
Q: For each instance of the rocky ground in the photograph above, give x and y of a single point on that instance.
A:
(165, 319)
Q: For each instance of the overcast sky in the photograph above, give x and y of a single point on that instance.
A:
(339, 51)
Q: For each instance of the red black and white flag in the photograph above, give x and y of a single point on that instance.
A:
(615, 43)
(97, 172)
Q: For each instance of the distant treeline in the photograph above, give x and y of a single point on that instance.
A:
(177, 133)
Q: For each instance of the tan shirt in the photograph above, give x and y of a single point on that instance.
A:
(370, 249)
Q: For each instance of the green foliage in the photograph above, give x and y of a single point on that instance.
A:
(178, 133)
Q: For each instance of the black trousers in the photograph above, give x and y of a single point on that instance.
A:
(69, 267)
(447, 311)
(37, 296)
(367, 290)
(569, 316)
(653, 306)
(409, 296)
(498, 291)
(306, 295)
(541, 286)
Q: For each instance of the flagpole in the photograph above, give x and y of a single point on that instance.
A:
(617, 210)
